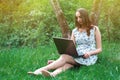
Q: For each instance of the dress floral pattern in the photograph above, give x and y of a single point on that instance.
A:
(85, 44)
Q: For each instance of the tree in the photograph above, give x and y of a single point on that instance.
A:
(114, 15)
(95, 13)
(61, 19)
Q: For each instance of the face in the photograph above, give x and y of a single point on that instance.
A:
(79, 18)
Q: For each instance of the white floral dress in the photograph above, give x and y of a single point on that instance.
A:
(85, 44)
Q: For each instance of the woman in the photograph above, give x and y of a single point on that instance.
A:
(88, 43)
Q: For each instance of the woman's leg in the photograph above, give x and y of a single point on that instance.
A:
(58, 70)
(61, 69)
(50, 61)
(58, 63)
(39, 72)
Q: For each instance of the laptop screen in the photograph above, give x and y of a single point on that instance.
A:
(65, 46)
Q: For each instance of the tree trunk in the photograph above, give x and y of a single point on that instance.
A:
(95, 13)
(61, 19)
(107, 26)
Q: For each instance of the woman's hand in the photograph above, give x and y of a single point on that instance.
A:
(86, 55)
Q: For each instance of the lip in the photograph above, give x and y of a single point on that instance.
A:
(80, 22)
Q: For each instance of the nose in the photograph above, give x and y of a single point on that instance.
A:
(78, 19)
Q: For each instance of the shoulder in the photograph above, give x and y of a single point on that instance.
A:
(96, 28)
(97, 31)
(74, 30)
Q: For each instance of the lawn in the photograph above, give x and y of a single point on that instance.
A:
(16, 62)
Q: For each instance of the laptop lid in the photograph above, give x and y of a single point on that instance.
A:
(65, 46)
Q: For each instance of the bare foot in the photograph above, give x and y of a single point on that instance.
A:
(46, 73)
(32, 73)
(50, 61)
(36, 72)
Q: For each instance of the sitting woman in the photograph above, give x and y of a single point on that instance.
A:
(87, 38)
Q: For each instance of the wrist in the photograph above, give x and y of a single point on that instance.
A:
(89, 54)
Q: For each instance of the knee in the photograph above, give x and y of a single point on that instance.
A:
(64, 57)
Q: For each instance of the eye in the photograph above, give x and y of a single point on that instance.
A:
(76, 17)
(80, 17)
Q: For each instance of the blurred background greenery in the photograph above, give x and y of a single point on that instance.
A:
(33, 22)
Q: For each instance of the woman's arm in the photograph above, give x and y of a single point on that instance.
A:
(98, 43)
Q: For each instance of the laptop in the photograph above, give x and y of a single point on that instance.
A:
(66, 46)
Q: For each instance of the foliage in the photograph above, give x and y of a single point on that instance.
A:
(110, 20)
(33, 22)
(72, 6)
(27, 24)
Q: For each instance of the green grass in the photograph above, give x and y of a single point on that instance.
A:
(16, 62)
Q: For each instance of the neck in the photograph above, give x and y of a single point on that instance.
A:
(83, 27)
